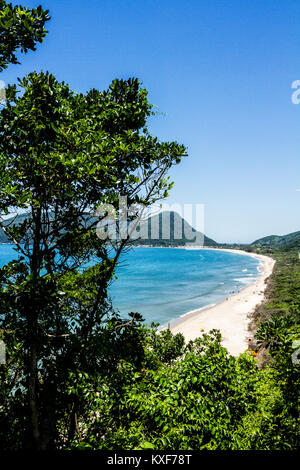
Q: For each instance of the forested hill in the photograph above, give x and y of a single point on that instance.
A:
(289, 241)
(178, 234)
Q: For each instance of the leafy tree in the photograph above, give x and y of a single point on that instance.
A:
(61, 155)
(20, 29)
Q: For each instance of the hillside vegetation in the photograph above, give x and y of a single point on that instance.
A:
(289, 241)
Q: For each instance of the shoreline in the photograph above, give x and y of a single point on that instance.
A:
(231, 316)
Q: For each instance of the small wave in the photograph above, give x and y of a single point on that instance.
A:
(244, 280)
(244, 270)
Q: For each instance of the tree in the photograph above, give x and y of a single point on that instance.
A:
(61, 155)
(20, 28)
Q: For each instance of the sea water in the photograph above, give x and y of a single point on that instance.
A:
(164, 284)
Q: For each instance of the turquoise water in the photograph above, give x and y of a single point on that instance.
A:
(164, 283)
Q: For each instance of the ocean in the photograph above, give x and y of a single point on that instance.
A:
(164, 284)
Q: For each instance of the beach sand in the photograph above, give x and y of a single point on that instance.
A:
(231, 316)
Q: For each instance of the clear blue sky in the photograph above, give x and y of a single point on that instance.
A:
(221, 71)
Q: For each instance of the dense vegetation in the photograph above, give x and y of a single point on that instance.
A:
(283, 242)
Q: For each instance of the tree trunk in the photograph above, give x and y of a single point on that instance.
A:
(32, 395)
(33, 314)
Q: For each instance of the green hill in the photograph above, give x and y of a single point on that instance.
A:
(289, 241)
(177, 234)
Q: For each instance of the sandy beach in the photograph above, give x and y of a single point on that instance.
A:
(231, 316)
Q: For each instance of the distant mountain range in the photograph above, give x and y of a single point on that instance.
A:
(289, 241)
(167, 228)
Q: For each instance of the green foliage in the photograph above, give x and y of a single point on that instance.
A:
(20, 29)
(283, 292)
(275, 424)
(164, 348)
(195, 403)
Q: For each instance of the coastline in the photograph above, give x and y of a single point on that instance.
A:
(231, 316)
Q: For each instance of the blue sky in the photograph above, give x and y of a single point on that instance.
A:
(221, 74)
